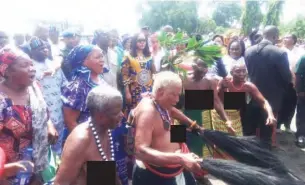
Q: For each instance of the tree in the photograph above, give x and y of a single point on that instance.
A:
(206, 25)
(296, 26)
(226, 13)
(252, 16)
(220, 30)
(299, 27)
(179, 14)
(275, 8)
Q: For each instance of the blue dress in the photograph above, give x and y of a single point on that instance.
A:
(119, 137)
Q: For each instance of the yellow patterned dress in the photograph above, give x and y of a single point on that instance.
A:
(137, 75)
(210, 119)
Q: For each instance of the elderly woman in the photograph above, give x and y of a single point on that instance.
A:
(24, 120)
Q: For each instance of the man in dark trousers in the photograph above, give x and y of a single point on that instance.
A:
(268, 69)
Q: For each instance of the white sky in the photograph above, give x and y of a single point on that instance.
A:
(120, 14)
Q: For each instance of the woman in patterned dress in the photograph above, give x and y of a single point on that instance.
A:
(24, 120)
(137, 71)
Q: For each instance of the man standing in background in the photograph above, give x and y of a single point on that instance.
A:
(269, 70)
(290, 97)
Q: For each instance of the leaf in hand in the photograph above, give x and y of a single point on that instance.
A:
(191, 43)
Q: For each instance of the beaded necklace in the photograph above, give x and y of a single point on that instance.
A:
(99, 145)
(164, 116)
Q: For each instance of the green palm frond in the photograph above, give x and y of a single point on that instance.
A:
(208, 54)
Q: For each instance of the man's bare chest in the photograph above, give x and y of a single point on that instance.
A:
(161, 138)
(197, 85)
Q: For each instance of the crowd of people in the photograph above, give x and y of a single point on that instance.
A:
(112, 100)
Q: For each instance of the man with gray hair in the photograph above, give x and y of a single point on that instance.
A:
(158, 161)
(92, 140)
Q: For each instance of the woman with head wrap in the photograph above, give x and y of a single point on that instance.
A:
(24, 120)
(87, 64)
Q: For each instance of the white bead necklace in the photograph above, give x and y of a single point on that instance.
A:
(99, 145)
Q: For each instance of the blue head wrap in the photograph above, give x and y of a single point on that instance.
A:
(76, 59)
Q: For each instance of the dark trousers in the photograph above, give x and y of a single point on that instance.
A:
(288, 109)
(300, 117)
(253, 117)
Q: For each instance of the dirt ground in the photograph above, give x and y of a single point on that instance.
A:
(292, 156)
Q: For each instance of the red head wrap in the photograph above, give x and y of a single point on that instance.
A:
(7, 57)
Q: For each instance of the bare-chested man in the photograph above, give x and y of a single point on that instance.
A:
(158, 161)
(197, 80)
(105, 105)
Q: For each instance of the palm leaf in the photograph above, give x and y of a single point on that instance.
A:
(207, 53)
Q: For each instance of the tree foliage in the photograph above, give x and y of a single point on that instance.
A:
(226, 13)
(275, 8)
(296, 26)
(194, 49)
(299, 27)
(178, 14)
(206, 26)
(252, 16)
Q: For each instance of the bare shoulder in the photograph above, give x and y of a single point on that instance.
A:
(249, 85)
(145, 105)
(79, 138)
(145, 112)
(213, 81)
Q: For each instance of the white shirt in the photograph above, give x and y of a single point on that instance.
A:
(111, 63)
(157, 59)
(294, 55)
(55, 49)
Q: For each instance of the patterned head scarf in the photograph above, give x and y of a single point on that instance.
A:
(76, 59)
(7, 57)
